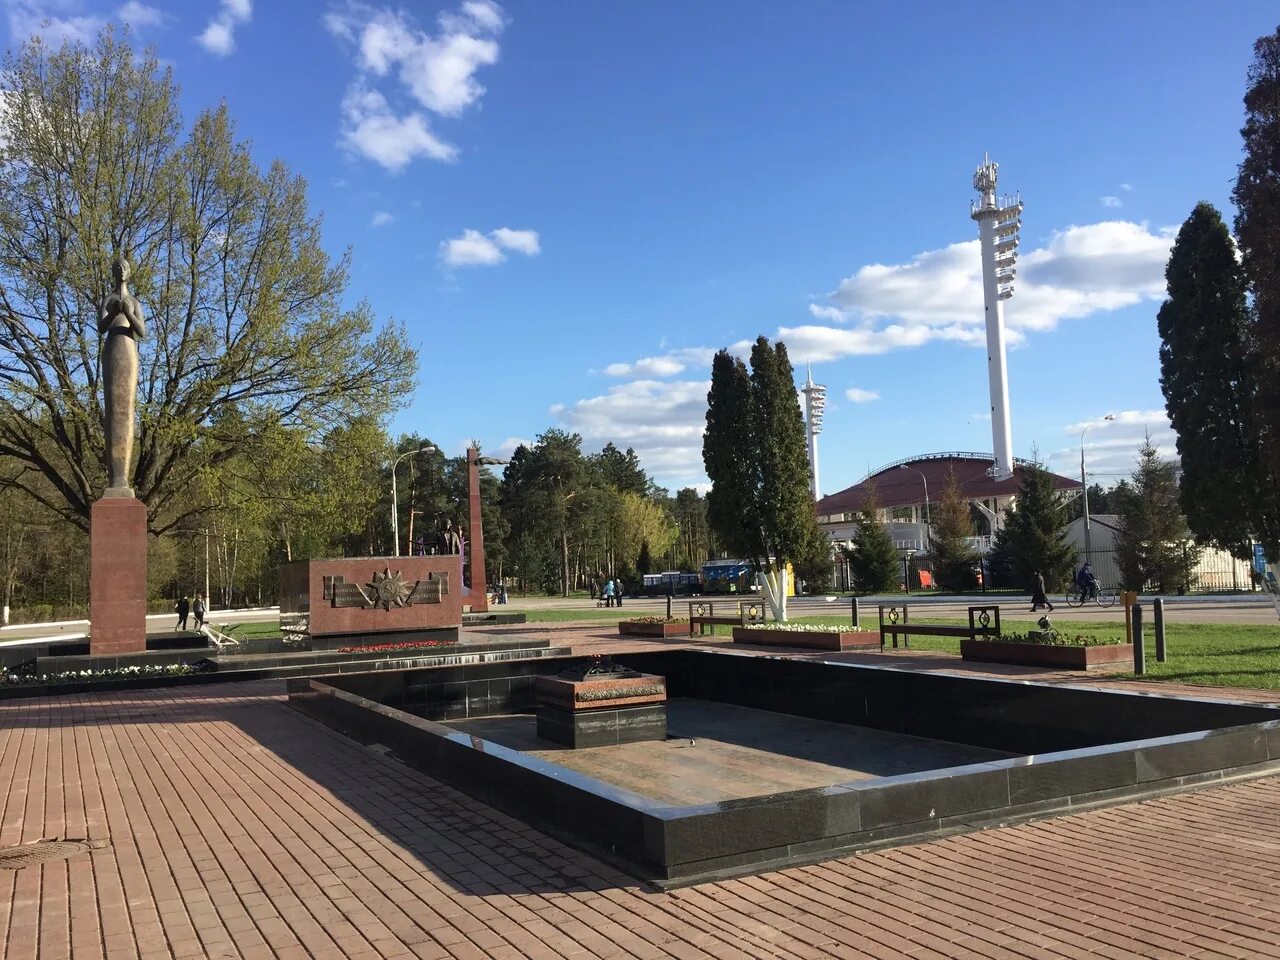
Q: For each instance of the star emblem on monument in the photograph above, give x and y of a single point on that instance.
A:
(388, 588)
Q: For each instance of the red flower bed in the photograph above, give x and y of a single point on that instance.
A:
(397, 647)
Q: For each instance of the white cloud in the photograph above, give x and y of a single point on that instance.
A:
(1111, 201)
(61, 21)
(372, 129)
(521, 241)
(138, 14)
(437, 71)
(475, 249)
(219, 37)
(56, 22)
(1111, 446)
(822, 312)
(1125, 187)
(381, 219)
(472, 249)
(937, 295)
(668, 365)
(859, 395)
(508, 446)
(663, 420)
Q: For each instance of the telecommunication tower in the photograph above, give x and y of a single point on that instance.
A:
(999, 220)
(815, 405)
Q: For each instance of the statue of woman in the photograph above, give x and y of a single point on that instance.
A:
(122, 325)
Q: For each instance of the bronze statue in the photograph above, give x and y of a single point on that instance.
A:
(122, 325)
(450, 540)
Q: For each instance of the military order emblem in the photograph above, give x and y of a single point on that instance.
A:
(386, 590)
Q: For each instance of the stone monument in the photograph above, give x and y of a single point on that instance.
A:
(118, 521)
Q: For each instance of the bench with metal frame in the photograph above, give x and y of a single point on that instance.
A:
(702, 614)
(983, 622)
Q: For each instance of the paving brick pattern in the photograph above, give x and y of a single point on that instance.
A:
(239, 828)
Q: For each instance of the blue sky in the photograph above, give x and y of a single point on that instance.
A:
(571, 205)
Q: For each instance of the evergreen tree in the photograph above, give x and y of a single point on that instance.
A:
(1034, 534)
(1208, 382)
(754, 451)
(729, 456)
(1154, 544)
(953, 558)
(644, 563)
(1257, 200)
(786, 507)
(874, 562)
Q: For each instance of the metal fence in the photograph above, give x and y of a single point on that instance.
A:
(1216, 572)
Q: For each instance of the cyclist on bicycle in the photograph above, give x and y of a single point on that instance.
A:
(1087, 582)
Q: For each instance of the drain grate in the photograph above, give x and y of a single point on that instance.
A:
(45, 851)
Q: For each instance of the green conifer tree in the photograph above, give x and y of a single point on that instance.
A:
(1257, 200)
(953, 558)
(1154, 548)
(1208, 382)
(874, 562)
(1034, 534)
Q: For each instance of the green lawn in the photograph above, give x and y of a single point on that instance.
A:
(1218, 655)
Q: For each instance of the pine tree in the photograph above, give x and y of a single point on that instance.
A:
(953, 558)
(1257, 200)
(1154, 544)
(1034, 534)
(1208, 382)
(874, 562)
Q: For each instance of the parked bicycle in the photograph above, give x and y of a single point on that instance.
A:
(1101, 596)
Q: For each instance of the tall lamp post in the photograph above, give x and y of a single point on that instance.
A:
(928, 521)
(1084, 489)
(395, 503)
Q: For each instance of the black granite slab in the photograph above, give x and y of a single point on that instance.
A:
(603, 727)
(1075, 747)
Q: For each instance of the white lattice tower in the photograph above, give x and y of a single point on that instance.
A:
(815, 406)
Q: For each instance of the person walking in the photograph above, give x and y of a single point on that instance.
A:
(617, 591)
(198, 609)
(183, 609)
(608, 593)
(1038, 597)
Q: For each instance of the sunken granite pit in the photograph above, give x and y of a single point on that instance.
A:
(770, 761)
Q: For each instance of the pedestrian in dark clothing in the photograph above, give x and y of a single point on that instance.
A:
(183, 608)
(1038, 598)
(617, 591)
(198, 609)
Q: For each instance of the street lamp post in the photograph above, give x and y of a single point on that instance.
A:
(395, 503)
(928, 521)
(1084, 489)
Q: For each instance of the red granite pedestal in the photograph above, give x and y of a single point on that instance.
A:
(117, 577)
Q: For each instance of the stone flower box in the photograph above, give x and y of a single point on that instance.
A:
(1046, 655)
(648, 628)
(808, 639)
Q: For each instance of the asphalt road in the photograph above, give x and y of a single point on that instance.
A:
(1226, 609)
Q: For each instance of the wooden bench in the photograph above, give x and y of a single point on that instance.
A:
(702, 614)
(983, 622)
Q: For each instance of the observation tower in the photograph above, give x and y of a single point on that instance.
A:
(815, 405)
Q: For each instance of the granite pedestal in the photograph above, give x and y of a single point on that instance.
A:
(602, 709)
(117, 576)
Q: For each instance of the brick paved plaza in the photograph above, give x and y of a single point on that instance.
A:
(239, 828)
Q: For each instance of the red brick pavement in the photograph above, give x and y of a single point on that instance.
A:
(239, 828)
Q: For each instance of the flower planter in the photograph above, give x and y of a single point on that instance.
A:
(1046, 655)
(809, 639)
(636, 628)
